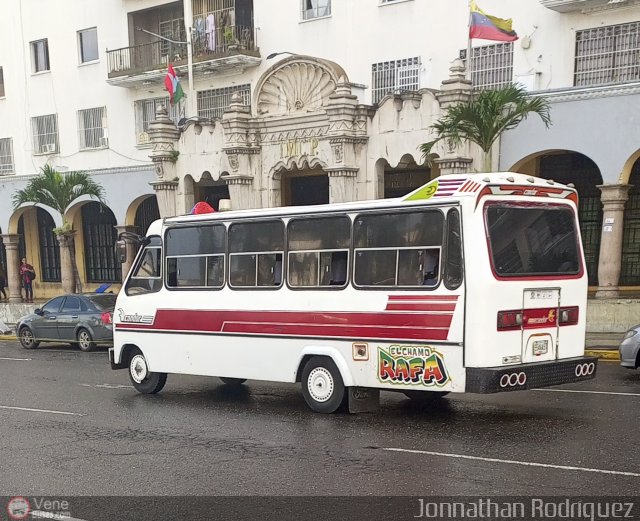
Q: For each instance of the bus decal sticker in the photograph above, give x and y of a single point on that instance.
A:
(415, 365)
(424, 193)
(136, 318)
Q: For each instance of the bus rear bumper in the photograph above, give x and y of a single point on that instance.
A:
(521, 377)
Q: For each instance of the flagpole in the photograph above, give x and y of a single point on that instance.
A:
(469, 60)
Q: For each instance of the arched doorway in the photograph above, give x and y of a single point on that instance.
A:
(146, 213)
(3, 254)
(630, 268)
(100, 235)
(49, 247)
(405, 177)
(584, 174)
(305, 186)
(209, 191)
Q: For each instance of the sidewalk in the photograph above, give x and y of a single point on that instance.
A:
(603, 345)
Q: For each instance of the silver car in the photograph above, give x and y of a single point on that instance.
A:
(82, 320)
(630, 348)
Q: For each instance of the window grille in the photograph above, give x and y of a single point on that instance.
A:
(40, 55)
(397, 75)
(212, 103)
(44, 130)
(491, 65)
(92, 128)
(146, 112)
(146, 213)
(49, 248)
(173, 30)
(88, 45)
(607, 55)
(3, 256)
(22, 246)
(100, 235)
(1, 83)
(6, 156)
(630, 269)
(315, 9)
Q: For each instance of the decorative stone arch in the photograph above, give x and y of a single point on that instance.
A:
(132, 209)
(297, 84)
(398, 177)
(296, 163)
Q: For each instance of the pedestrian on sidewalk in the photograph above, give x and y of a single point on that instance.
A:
(27, 273)
(3, 283)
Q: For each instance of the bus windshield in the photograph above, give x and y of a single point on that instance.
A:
(532, 240)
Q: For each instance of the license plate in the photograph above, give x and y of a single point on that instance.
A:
(540, 347)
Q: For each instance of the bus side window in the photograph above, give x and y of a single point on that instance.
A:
(454, 269)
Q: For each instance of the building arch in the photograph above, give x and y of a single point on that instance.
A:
(99, 236)
(133, 208)
(297, 84)
(570, 167)
(630, 266)
(404, 177)
(25, 207)
(629, 168)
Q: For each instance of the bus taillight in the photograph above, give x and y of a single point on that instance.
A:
(569, 316)
(509, 320)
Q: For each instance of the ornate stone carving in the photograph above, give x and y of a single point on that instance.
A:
(159, 169)
(233, 162)
(296, 86)
(338, 152)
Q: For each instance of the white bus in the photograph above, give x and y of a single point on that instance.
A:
(472, 283)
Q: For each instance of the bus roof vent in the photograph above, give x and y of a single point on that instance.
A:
(571, 185)
(530, 179)
(487, 180)
(550, 181)
(510, 179)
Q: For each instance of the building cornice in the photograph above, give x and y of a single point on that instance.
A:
(586, 93)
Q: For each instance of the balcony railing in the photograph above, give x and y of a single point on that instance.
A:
(207, 46)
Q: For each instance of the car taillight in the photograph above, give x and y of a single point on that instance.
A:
(106, 318)
(569, 316)
(509, 320)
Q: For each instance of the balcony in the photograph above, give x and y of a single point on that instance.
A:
(586, 6)
(222, 37)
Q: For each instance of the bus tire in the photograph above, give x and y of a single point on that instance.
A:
(234, 382)
(425, 397)
(142, 379)
(322, 385)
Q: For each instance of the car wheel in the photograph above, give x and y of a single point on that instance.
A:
(425, 397)
(142, 379)
(232, 381)
(322, 385)
(85, 340)
(27, 339)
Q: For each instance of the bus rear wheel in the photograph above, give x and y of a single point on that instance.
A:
(322, 385)
(142, 379)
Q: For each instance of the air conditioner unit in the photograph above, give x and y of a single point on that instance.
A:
(48, 148)
(104, 142)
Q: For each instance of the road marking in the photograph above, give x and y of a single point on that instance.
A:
(52, 515)
(40, 410)
(513, 462)
(2, 358)
(586, 392)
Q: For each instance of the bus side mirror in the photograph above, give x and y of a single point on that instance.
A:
(121, 250)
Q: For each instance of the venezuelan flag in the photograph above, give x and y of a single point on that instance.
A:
(487, 27)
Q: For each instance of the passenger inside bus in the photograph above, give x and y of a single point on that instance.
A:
(338, 268)
(430, 267)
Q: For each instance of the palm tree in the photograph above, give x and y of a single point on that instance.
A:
(58, 191)
(484, 118)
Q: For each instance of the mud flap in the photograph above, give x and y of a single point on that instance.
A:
(363, 399)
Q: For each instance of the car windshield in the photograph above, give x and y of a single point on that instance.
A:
(103, 302)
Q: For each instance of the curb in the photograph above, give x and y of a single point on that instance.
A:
(604, 354)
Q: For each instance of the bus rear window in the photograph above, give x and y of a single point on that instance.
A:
(527, 241)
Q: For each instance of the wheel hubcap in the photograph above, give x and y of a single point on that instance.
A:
(138, 368)
(84, 339)
(27, 337)
(320, 384)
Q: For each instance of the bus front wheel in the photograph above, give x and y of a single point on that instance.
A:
(322, 385)
(142, 379)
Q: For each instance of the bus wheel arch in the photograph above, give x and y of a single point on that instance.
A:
(309, 352)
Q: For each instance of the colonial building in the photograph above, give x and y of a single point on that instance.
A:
(312, 102)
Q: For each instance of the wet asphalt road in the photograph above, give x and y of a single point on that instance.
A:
(93, 434)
